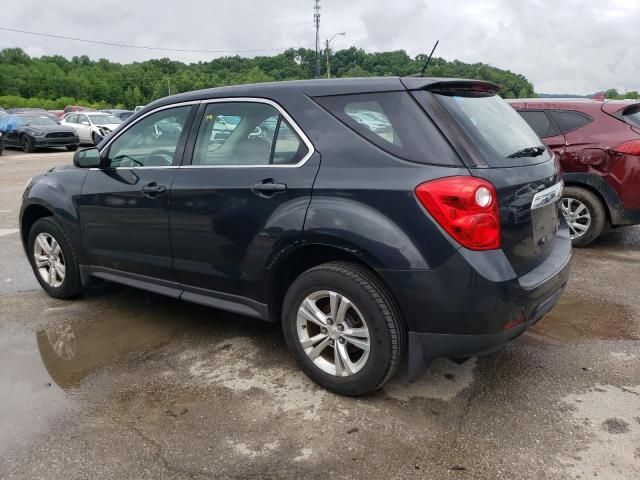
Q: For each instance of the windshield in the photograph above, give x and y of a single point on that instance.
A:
(36, 120)
(104, 119)
(232, 119)
(496, 129)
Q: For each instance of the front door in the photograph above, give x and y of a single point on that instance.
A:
(124, 206)
(241, 201)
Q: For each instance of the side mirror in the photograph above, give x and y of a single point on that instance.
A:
(87, 158)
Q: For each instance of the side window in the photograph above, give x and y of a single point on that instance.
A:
(82, 119)
(72, 119)
(568, 121)
(393, 122)
(540, 123)
(150, 142)
(246, 133)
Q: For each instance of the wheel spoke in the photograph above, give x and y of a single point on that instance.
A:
(342, 311)
(580, 209)
(313, 354)
(335, 300)
(310, 342)
(60, 269)
(41, 260)
(580, 227)
(361, 344)
(356, 332)
(52, 275)
(312, 313)
(42, 243)
(342, 360)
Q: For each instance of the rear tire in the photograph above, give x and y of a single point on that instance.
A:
(361, 343)
(585, 215)
(95, 139)
(53, 259)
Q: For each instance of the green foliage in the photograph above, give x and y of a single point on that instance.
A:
(54, 81)
(613, 94)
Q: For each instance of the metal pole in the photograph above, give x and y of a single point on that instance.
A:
(328, 65)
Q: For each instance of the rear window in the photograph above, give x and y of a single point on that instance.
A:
(393, 122)
(568, 121)
(496, 129)
(631, 115)
(540, 123)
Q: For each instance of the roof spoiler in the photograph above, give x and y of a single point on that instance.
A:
(451, 86)
(619, 106)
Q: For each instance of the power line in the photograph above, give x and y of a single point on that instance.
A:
(143, 47)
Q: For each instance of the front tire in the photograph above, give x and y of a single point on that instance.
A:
(26, 144)
(53, 259)
(95, 138)
(343, 328)
(72, 148)
(584, 214)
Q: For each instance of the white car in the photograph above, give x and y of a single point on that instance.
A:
(91, 127)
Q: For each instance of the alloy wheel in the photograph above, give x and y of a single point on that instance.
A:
(333, 333)
(49, 259)
(577, 216)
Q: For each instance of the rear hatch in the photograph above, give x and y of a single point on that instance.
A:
(497, 145)
(627, 111)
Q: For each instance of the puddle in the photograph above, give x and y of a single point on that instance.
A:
(581, 319)
(45, 362)
(611, 417)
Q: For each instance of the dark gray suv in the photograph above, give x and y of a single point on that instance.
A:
(376, 219)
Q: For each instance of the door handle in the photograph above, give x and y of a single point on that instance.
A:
(268, 188)
(152, 189)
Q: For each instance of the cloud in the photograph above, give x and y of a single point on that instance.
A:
(577, 46)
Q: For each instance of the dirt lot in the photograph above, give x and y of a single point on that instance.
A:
(127, 384)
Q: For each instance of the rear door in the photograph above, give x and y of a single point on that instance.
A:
(240, 199)
(499, 146)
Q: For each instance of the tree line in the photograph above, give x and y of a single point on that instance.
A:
(54, 81)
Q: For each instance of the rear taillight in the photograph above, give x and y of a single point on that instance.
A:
(466, 208)
(631, 147)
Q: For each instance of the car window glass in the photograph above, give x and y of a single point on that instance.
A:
(150, 142)
(540, 123)
(242, 133)
(568, 121)
(71, 119)
(393, 122)
(82, 119)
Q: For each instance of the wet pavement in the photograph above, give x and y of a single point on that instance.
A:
(126, 384)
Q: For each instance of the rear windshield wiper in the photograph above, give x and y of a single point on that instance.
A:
(527, 152)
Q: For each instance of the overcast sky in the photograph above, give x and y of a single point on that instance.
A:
(573, 46)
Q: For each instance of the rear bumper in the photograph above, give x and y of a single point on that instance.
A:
(474, 303)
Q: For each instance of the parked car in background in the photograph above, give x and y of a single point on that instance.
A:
(391, 244)
(91, 127)
(57, 113)
(121, 114)
(76, 108)
(30, 131)
(138, 107)
(597, 145)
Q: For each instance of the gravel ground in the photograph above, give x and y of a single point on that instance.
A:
(126, 384)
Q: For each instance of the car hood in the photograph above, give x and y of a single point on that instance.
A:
(46, 128)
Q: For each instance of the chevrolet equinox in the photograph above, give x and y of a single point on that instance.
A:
(376, 219)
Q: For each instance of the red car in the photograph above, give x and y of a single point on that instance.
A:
(598, 147)
(76, 108)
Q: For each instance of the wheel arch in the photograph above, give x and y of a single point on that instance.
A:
(607, 196)
(31, 214)
(294, 263)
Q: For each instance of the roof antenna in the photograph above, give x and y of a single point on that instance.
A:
(426, 64)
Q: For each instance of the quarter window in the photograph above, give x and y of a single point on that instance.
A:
(246, 133)
(540, 123)
(568, 121)
(150, 142)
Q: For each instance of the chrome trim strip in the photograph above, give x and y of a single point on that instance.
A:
(547, 196)
(278, 107)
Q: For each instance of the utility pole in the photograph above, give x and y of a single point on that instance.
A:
(316, 21)
(169, 84)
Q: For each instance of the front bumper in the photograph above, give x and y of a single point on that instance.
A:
(43, 142)
(474, 303)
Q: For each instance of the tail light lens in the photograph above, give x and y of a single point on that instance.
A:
(631, 147)
(466, 208)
